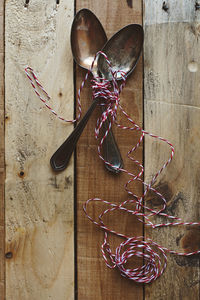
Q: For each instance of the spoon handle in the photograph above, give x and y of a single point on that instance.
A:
(111, 151)
(61, 157)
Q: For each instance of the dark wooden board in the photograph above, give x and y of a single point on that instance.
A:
(95, 280)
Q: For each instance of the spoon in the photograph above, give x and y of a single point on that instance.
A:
(123, 50)
(85, 44)
(87, 38)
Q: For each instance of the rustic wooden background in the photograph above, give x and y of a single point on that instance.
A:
(48, 249)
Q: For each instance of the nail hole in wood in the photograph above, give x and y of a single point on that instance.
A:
(9, 255)
(26, 3)
(21, 174)
(165, 6)
(57, 2)
(197, 6)
(193, 67)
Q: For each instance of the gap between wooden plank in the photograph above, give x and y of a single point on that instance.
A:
(75, 188)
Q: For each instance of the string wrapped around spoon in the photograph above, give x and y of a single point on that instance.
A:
(123, 49)
(84, 45)
(154, 255)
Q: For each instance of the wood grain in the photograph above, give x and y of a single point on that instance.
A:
(171, 89)
(39, 203)
(94, 280)
(2, 146)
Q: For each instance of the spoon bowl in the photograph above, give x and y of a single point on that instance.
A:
(87, 38)
(124, 58)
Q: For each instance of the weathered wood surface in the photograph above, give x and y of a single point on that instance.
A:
(39, 203)
(2, 169)
(171, 94)
(94, 280)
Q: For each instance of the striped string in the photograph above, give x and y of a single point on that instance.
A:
(153, 255)
(44, 97)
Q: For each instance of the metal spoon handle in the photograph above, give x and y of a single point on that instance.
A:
(110, 150)
(61, 157)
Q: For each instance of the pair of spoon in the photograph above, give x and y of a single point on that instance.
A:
(123, 51)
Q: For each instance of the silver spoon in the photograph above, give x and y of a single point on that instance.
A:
(87, 38)
(123, 50)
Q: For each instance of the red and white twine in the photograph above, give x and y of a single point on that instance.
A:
(153, 254)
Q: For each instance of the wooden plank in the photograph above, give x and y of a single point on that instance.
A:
(39, 203)
(94, 280)
(2, 145)
(172, 76)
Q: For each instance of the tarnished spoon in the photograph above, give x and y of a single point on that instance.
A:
(87, 38)
(123, 49)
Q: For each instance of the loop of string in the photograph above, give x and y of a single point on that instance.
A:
(154, 255)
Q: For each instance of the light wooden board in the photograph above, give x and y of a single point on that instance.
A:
(95, 280)
(171, 90)
(2, 170)
(39, 204)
